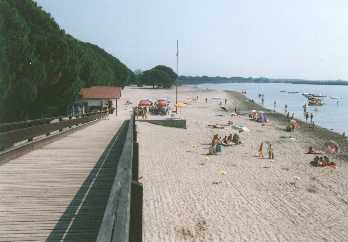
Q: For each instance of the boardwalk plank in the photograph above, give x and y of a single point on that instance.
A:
(47, 194)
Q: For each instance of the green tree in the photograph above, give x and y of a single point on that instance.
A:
(159, 76)
(41, 67)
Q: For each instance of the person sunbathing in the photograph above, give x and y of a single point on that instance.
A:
(229, 139)
(313, 152)
(215, 140)
(236, 139)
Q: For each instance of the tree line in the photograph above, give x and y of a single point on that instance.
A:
(42, 68)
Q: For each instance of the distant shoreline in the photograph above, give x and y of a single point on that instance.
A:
(318, 134)
(201, 80)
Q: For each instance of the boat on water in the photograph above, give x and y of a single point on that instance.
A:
(293, 92)
(308, 95)
(283, 91)
(315, 101)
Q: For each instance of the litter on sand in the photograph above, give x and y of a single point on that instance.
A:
(222, 173)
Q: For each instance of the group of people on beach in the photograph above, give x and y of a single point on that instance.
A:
(217, 142)
(140, 112)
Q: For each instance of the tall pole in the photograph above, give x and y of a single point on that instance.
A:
(177, 73)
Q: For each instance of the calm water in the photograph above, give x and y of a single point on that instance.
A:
(332, 115)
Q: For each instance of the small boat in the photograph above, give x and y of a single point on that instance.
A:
(308, 95)
(318, 95)
(315, 101)
(293, 92)
(283, 91)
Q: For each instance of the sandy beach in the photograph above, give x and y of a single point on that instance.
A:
(236, 196)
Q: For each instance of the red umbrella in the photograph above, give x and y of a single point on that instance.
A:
(162, 103)
(144, 103)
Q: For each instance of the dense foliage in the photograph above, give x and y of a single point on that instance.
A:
(42, 68)
(160, 76)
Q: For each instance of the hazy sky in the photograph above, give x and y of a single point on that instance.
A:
(271, 38)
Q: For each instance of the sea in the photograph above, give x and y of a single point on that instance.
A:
(332, 115)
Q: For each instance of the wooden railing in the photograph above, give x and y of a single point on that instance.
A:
(12, 133)
(122, 219)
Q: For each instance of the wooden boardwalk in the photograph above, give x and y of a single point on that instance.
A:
(58, 192)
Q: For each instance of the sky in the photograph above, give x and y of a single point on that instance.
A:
(251, 38)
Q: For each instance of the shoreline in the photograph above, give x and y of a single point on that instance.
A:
(320, 134)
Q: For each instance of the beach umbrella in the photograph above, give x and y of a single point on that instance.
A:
(162, 103)
(145, 103)
(332, 147)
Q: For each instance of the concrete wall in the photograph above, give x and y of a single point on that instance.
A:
(174, 123)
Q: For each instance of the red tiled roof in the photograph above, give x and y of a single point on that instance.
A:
(100, 92)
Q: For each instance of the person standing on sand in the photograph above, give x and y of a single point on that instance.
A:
(286, 108)
(311, 118)
(261, 151)
(225, 100)
(307, 116)
(270, 152)
(206, 100)
(262, 100)
(274, 106)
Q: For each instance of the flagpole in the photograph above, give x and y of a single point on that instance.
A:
(177, 73)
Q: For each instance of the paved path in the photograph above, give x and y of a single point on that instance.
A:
(50, 193)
